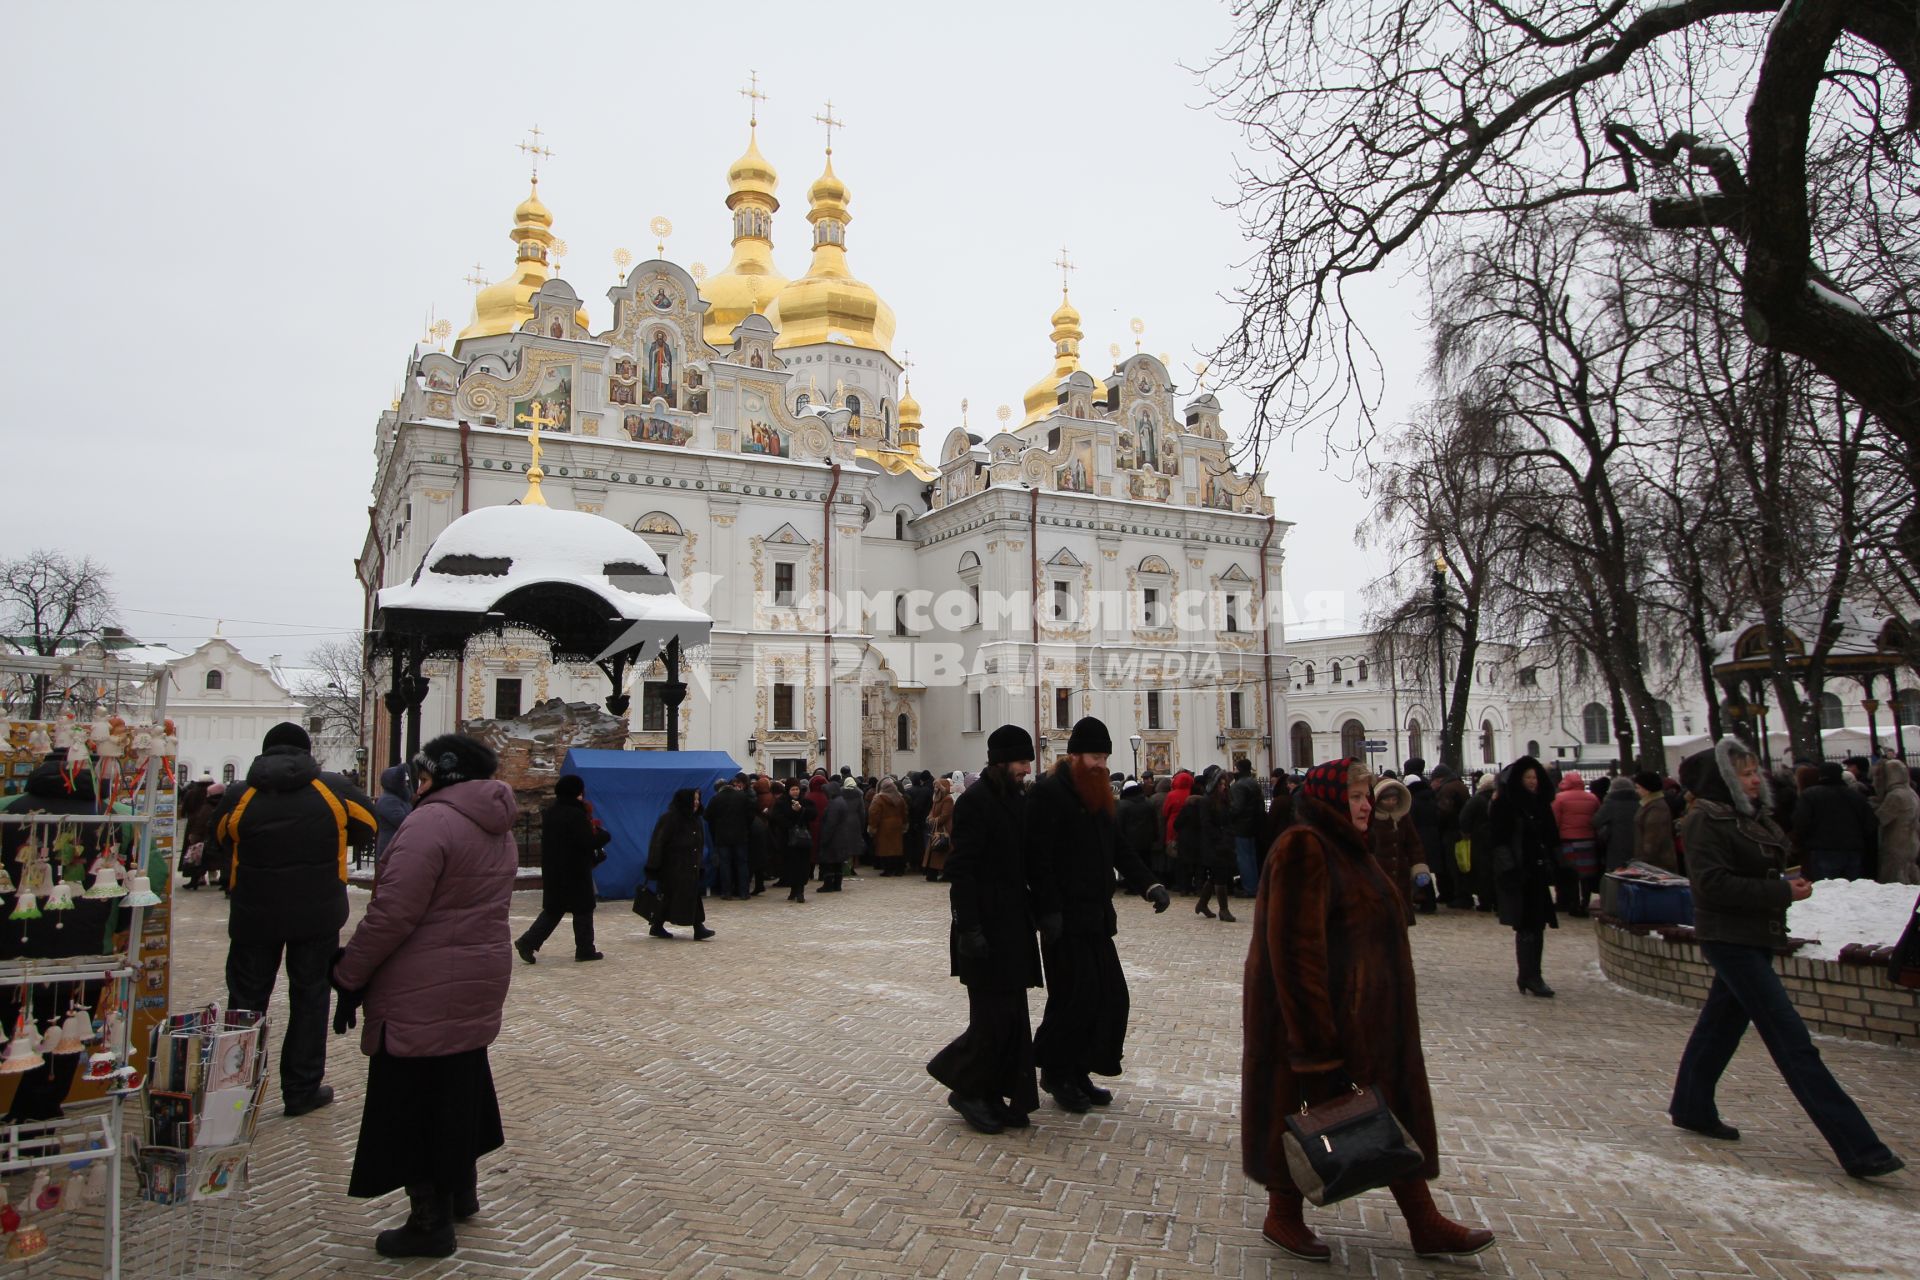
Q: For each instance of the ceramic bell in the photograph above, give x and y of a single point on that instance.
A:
(21, 1055)
(99, 1066)
(61, 899)
(75, 1032)
(25, 907)
(38, 741)
(142, 894)
(6, 879)
(27, 1242)
(45, 1194)
(50, 1040)
(106, 882)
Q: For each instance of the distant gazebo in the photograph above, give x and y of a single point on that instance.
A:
(1867, 648)
(591, 587)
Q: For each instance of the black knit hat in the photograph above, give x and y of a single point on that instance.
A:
(286, 734)
(1009, 743)
(570, 787)
(454, 757)
(1089, 737)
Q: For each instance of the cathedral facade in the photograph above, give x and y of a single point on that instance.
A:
(871, 608)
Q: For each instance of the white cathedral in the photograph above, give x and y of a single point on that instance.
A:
(870, 608)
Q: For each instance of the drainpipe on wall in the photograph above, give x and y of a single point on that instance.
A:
(460, 667)
(826, 574)
(1033, 549)
(1266, 658)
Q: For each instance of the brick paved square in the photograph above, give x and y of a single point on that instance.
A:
(757, 1105)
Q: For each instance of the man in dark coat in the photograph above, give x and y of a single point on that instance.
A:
(1137, 822)
(1836, 827)
(570, 848)
(1073, 850)
(730, 823)
(286, 835)
(989, 1068)
(1246, 815)
(1450, 796)
(392, 808)
(919, 794)
(1426, 821)
(673, 866)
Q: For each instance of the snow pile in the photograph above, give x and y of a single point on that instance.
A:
(1844, 911)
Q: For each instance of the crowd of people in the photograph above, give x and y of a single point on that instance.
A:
(1340, 863)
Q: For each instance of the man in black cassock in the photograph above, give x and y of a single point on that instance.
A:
(990, 1067)
(1073, 850)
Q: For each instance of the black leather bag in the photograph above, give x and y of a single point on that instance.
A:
(645, 902)
(1346, 1145)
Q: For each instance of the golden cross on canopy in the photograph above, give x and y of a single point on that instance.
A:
(831, 124)
(1065, 265)
(477, 280)
(535, 420)
(537, 151)
(754, 98)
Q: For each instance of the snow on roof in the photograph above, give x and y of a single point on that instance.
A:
(492, 551)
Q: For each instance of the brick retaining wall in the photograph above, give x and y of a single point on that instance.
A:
(1855, 1001)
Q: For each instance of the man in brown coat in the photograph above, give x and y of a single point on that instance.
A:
(1653, 824)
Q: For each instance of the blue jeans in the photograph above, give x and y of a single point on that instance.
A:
(730, 862)
(1746, 989)
(1833, 864)
(1246, 852)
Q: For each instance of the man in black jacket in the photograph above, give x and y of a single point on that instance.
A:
(990, 1067)
(1074, 848)
(1246, 814)
(730, 827)
(1838, 833)
(286, 834)
(570, 845)
(919, 794)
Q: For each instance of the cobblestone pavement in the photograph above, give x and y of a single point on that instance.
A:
(758, 1105)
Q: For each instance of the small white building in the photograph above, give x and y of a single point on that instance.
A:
(222, 703)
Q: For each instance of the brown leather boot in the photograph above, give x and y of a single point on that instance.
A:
(1286, 1227)
(1433, 1233)
(1200, 908)
(1226, 916)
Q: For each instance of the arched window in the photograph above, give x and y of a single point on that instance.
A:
(900, 526)
(1353, 736)
(1665, 710)
(1906, 706)
(1336, 673)
(1309, 673)
(902, 733)
(1415, 739)
(900, 614)
(1832, 714)
(216, 681)
(1593, 724)
(227, 770)
(1533, 747)
(800, 403)
(1361, 673)
(1486, 742)
(853, 406)
(1300, 741)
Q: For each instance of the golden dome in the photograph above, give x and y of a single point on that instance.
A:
(909, 408)
(750, 281)
(827, 305)
(1043, 397)
(505, 306)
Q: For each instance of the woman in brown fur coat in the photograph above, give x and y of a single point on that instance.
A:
(1329, 1003)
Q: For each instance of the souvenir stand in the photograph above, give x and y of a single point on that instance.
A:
(87, 922)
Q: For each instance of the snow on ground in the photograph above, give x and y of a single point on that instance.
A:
(1844, 911)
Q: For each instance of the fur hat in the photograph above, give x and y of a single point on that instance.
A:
(1392, 800)
(1009, 743)
(1487, 782)
(454, 757)
(1089, 737)
(1648, 780)
(286, 734)
(570, 787)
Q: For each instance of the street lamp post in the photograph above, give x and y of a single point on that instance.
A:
(1134, 742)
(1440, 645)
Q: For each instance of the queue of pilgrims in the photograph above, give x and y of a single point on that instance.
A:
(1339, 862)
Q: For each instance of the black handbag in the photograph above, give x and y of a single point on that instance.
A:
(1346, 1145)
(645, 902)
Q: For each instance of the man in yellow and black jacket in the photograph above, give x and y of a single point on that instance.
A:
(286, 834)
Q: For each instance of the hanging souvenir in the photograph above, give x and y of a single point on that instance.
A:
(39, 742)
(49, 1039)
(21, 1055)
(63, 731)
(9, 1216)
(169, 750)
(6, 878)
(25, 908)
(45, 1194)
(61, 899)
(36, 873)
(27, 1242)
(106, 882)
(142, 894)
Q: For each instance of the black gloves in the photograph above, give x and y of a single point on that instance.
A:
(973, 945)
(346, 1005)
(1051, 927)
(1159, 897)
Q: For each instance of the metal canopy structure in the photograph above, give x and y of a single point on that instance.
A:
(1864, 649)
(593, 589)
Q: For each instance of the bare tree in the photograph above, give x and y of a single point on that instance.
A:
(51, 604)
(334, 688)
(1384, 131)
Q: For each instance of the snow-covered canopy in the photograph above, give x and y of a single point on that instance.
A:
(499, 563)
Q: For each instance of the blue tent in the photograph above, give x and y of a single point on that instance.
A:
(629, 790)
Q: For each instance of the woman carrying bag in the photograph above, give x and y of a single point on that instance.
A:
(1330, 1007)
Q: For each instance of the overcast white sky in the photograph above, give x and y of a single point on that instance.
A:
(229, 223)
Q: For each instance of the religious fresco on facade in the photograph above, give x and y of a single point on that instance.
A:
(1216, 491)
(661, 298)
(554, 396)
(696, 391)
(1148, 487)
(1158, 758)
(439, 380)
(1077, 475)
(653, 429)
(1146, 441)
(764, 438)
(623, 385)
(656, 370)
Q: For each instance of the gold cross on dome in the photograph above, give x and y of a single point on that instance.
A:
(535, 420)
(537, 151)
(831, 124)
(477, 280)
(754, 98)
(1065, 264)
